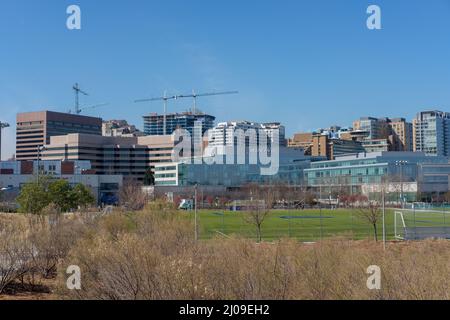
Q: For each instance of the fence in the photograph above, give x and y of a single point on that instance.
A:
(422, 223)
(307, 225)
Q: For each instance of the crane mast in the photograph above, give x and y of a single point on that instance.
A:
(193, 95)
(77, 91)
(3, 125)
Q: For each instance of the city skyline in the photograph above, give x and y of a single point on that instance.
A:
(316, 61)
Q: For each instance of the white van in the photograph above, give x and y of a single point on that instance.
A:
(186, 204)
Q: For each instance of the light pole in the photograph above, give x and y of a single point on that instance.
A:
(78, 175)
(401, 163)
(195, 213)
(40, 149)
(384, 214)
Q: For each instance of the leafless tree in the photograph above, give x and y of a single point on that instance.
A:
(132, 196)
(259, 203)
(371, 213)
(14, 254)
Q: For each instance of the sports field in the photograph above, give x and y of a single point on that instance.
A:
(311, 224)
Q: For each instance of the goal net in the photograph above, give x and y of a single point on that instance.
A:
(419, 224)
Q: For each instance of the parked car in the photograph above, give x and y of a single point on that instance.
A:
(186, 204)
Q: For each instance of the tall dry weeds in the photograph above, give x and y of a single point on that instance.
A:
(159, 259)
(152, 255)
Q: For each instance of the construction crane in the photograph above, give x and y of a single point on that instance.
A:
(77, 90)
(196, 95)
(2, 126)
(164, 98)
(78, 110)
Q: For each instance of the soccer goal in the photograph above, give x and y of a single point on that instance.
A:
(412, 224)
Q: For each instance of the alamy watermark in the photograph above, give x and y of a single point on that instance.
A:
(251, 146)
(374, 20)
(74, 20)
(74, 280)
(374, 280)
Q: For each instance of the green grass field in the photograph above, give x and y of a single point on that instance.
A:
(310, 224)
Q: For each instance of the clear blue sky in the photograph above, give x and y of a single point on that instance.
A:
(308, 64)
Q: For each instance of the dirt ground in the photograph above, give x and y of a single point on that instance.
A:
(44, 291)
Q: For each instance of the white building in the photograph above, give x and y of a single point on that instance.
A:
(14, 174)
(226, 133)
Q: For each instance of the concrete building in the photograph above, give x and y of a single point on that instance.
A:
(271, 127)
(302, 140)
(34, 129)
(326, 143)
(14, 174)
(120, 128)
(154, 123)
(431, 133)
(376, 145)
(402, 132)
(377, 128)
(227, 133)
(323, 146)
(382, 134)
(127, 156)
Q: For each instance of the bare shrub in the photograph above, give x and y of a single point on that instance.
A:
(14, 254)
(116, 224)
(152, 255)
(132, 197)
(52, 242)
(140, 267)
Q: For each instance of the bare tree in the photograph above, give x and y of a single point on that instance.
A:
(14, 256)
(371, 213)
(132, 197)
(259, 203)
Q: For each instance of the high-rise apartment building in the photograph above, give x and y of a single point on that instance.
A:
(431, 133)
(34, 130)
(377, 128)
(383, 134)
(226, 133)
(154, 123)
(271, 127)
(402, 133)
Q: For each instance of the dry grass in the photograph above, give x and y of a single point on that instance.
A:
(152, 255)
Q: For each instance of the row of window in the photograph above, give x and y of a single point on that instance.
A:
(348, 172)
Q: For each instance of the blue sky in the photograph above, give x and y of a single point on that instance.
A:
(305, 63)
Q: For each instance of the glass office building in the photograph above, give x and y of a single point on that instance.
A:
(347, 175)
(292, 162)
(432, 133)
